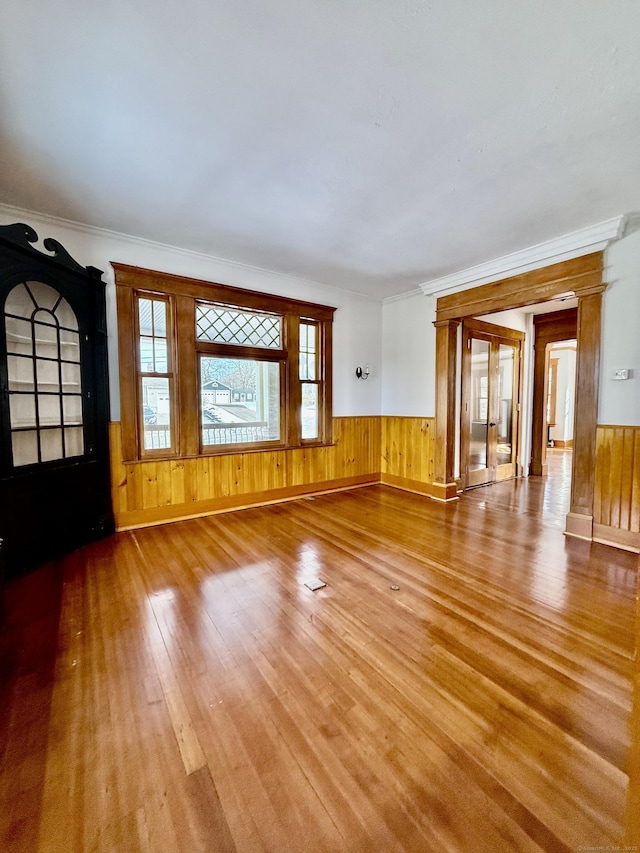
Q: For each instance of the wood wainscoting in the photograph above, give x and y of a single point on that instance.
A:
(147, 493)
(398, 451)
(616, 506)
(408, 450)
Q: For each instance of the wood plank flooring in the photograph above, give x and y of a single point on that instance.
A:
(179, 689)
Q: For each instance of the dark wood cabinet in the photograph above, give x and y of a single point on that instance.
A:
(54, 404)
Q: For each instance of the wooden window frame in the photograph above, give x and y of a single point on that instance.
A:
(169, 375)
(318, 381)
(182, 294)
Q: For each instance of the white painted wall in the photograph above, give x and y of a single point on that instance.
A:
(357, 329)
(408, 355)
(512, 319)
(620, 400)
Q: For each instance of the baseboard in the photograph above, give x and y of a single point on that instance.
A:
(408, 485)
(628, 540)
(579, 526)
(181, 512)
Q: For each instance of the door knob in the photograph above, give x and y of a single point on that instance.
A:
(492, 423)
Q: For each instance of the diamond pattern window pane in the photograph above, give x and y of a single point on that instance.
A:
(223, 325)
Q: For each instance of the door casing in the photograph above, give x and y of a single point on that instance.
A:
(581, 277)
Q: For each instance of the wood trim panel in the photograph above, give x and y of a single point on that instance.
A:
(579, 275)
(444, 457)
(154, 280)
(493, 329)
(616, 502)
(556, 326)
(188, 439)
(408, 485)
(627, 540)
(586, 410)
(408, 452)
(127, 359)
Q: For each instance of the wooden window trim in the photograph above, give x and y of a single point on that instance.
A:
(170, 375)
(182, 293)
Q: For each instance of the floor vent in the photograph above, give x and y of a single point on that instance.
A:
(315, 584)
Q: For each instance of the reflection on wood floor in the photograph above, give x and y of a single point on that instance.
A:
(545, 497)
(179, 688)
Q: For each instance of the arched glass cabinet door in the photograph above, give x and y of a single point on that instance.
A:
(54, 407)
(44, 376)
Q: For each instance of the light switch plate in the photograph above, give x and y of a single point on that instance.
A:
(622, 373)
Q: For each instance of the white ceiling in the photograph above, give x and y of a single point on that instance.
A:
(369, 145)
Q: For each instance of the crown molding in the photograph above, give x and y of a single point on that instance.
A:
(105, 233)
(594, 238)
(400, 297)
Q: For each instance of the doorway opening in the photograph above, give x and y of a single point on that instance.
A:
(580, 278)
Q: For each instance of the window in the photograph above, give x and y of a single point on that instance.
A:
(309, 380)
(155, 378)
(206, 368)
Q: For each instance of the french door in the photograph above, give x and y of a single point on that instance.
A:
(490, 402)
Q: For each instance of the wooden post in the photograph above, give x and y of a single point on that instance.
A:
(580, 517)
(445, 487)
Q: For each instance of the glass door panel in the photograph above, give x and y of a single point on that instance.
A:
(506, 358)
(479, 405)
(490, 389)
(44, 377)
(508, 369)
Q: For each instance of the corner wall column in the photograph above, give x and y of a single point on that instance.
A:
(579, 520)
(445, 487)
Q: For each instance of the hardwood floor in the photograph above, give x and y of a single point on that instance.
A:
(178, 688)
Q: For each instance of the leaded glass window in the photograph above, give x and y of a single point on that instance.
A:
(225, 325)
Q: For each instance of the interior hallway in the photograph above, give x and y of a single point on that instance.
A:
(179, 688)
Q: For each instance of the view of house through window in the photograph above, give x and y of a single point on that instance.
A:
(239, 400)
(155, 396)
(309, 379)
